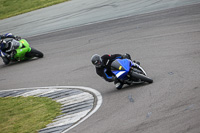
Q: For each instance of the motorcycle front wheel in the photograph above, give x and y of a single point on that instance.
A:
(141, 76)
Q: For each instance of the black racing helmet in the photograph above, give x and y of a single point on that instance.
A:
(96, 60)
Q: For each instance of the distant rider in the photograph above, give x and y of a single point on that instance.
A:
(6, 46)
(103, 66)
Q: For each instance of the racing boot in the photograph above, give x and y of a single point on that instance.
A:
(118, 84)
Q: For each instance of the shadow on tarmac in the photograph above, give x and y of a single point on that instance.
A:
(125, 88)
(14, 63)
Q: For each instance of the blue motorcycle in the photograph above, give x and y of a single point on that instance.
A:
(129, 72)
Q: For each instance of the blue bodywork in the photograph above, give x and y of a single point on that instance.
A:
(121, 67)
(2, 54)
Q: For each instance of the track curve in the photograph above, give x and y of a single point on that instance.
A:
(166, 43)
(78, 104)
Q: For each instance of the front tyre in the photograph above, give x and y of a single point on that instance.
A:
(6, 60)
(141, 76)
(34, 53)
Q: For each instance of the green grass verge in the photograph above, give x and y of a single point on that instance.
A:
(26, 114)
(9, 8)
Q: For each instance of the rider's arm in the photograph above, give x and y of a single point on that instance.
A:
(116, 56)
(101, 72)
(120, 56)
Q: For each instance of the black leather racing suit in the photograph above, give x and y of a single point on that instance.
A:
(105, 70)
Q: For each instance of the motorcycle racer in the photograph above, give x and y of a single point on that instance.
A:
(6, 46)
(103, 66)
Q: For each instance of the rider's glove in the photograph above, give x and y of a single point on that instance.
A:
(2, 37)
(126, 56)
(18, 38)
(137, 62)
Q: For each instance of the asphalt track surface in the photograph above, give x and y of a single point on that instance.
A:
(167, 43)
(82, 12)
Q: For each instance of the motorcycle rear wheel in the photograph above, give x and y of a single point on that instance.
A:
(142, 77)
(34, 53)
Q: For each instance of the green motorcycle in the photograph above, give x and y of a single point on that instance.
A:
(19, 51)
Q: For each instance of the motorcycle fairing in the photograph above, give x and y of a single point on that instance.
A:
(21, 51)
(121, 67)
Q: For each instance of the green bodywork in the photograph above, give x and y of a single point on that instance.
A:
(22, 50)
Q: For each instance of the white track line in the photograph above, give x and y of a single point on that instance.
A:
(77, 118)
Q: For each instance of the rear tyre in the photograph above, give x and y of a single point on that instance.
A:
(34, 53)
(142, 77)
